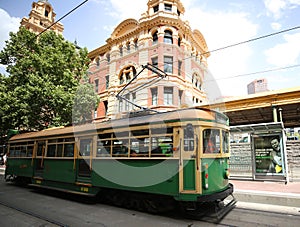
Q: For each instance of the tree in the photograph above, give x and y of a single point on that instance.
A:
(44, 74)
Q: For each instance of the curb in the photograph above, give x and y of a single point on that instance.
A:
(272, 198)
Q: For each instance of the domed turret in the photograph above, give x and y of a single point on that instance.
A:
(173, 7)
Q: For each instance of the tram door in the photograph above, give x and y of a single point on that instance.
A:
(189, 172)
(38, 158)
(84, 160)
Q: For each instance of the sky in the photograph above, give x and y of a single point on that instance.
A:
(222, 23)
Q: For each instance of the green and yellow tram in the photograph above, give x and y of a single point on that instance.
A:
(148, 162)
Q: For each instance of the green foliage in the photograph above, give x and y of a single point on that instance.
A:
(44, 74)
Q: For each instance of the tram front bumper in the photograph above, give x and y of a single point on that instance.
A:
(217, 196)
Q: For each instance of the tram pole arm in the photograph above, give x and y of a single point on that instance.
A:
(153, 68)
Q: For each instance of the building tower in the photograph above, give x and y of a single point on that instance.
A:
(41, 16)
(257, 86)
(162, 38)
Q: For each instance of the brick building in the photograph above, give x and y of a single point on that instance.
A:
(162, 38)
(41, 17)
(257, 86)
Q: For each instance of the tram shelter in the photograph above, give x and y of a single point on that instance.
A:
(264, 153)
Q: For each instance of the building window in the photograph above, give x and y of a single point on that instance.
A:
(46, 13)
(179, 67)
(121, 50)
(180, 97)
(168, 96)
(96, 85)
(98, 62)
(133, 99)
(168, 37)
(127, 103)
(108, 57)
(128, 47)
(120, 105)
(155, 38)
(127, 74)
(168, 64)
(136, 44)
(107, 82)
(154, 96)
(156, 8)
(179, 41)
(168, 7)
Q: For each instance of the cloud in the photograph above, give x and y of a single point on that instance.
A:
(276, 8)
(285, 54)
(220, 29)
(276, 26)
(7, 24)
(128, 8)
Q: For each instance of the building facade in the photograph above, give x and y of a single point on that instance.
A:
(41, 17)
(163, 39)
(257, 86)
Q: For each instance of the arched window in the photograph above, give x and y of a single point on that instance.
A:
(127, 74)
(128, 47)
(155, 37)
(136, 44)
(179, 41)
(168, 37)
(121, 50)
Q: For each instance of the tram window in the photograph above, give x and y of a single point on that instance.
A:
(162, 131)
(23, 151)
(139, 147)
(103, 149)
(162, 146)
(51, 150)
(40, 149)
(211, 141)
(71, 139)
(85, 147)
(52, 141)
(225, 137)
(29, 151)
(189, 141)
(120, 147)
(69, 150)
(59, 152)
(140, 132)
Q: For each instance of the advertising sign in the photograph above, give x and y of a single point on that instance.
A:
(268, 154)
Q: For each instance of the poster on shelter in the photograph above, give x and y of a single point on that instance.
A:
(268, 154)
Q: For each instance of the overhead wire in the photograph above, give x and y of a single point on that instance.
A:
(244, 42)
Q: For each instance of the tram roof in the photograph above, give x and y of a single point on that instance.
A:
(190, 114)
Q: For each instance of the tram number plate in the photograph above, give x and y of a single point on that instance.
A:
(84, 189)
(38, 181)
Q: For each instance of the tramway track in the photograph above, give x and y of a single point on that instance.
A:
(34, 215)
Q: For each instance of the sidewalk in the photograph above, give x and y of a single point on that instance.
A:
(266, 192)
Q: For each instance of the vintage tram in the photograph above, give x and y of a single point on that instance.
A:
(148, 162)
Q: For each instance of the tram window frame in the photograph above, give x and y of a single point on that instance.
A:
(40, 149)
(68, 153)
(104, 142)
(85, 149)
(62, 149)
(211, 141)
(225, 142)
(189, 138)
